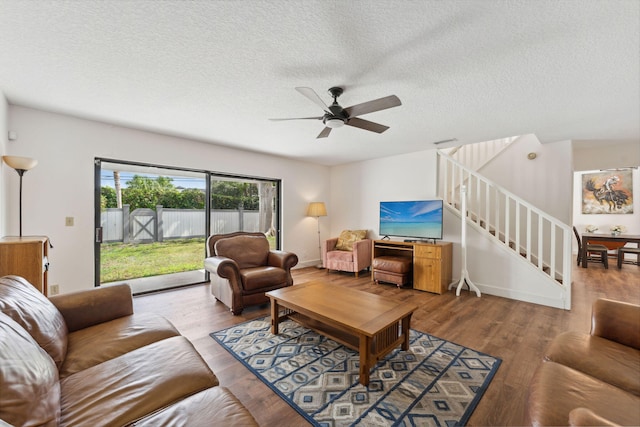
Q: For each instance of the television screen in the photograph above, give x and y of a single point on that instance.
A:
(419, 219)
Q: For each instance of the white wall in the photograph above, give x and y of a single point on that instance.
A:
(358, 188)
(62, 184)
(598, 154)
(545, 182)
(4, 108)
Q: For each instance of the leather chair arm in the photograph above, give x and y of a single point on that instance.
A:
(227, 269)
(226, 282)
(222, 266)
(616, 321)
(93, 306)
(282, 259)
(586, 417)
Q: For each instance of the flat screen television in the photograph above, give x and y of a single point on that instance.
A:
(416, 219)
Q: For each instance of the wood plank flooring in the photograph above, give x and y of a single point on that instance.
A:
(517, 332)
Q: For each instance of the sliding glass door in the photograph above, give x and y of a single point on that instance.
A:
(245, 204)
(152, 226)
(152, 221)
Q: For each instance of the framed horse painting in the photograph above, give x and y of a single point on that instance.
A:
(607, 192)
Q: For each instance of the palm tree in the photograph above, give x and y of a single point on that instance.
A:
(116, 180)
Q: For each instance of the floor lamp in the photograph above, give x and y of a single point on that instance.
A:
(317, 209)
(21, 165)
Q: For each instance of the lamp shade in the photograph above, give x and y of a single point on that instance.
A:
(20, 163)
(316, 209)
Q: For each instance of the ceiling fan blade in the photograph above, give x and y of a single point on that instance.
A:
(298, 118)
(371, 106)
(325, 133)
(313, 96)
(366, 125)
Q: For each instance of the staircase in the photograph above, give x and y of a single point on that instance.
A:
(475, 156)
(529, 234)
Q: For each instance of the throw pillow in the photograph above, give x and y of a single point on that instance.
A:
(348, 238)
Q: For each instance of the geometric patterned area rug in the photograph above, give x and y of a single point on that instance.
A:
(434, 383)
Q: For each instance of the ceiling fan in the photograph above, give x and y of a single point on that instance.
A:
(335, 116)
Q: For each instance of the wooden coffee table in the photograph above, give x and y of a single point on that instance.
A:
(368, 323)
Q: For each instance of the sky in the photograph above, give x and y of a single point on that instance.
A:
(106, 179)
(411, 211)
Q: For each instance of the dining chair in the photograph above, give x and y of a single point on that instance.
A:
(626, 250)
(600, 251)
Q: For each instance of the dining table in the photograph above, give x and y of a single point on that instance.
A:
(615, 241)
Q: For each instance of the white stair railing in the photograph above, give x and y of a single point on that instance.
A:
(475, 156)
(540, 239)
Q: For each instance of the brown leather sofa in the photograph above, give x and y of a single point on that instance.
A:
(85, 359)
(242, 268)
(591, 379)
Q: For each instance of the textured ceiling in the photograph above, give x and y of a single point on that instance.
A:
(216, 71)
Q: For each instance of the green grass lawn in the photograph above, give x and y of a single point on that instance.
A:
(129, 261)
(121, 261)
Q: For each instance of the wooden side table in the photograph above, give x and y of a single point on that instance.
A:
(27, 257)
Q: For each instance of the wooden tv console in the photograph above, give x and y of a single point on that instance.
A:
(431, 262)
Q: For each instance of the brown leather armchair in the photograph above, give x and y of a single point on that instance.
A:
(242, 268)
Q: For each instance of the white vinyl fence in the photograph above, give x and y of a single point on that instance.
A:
(147, 225)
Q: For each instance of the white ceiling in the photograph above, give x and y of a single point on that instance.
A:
(216, 71)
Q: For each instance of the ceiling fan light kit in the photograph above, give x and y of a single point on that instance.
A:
(333, 122)
(335, 116)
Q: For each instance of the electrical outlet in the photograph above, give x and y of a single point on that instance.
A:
(54, 290)
(68, 221)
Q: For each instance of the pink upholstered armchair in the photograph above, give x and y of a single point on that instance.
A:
(350, 252)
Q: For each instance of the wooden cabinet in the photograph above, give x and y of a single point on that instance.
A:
(26, 257)
(431, 262)
(432, 267)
